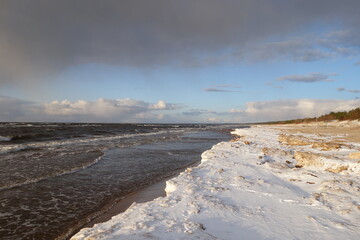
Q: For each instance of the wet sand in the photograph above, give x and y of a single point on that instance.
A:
(144, 195)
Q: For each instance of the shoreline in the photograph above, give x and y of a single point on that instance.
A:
(142, 195)
(250, 188)
(145, 194)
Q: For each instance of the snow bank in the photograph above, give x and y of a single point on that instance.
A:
(251, 188)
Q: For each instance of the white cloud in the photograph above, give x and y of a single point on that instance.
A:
(130, 110)
(273, 111)
(213, 120)
(162, 105)
(290, 109)
(100, 110)
(104, 107)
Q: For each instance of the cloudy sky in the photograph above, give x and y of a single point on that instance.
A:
(177, 60)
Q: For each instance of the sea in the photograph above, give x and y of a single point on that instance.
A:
(56, 177)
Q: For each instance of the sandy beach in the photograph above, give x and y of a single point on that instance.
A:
(270, 182)
(340, 131)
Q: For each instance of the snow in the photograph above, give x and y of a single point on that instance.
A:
(251, 188)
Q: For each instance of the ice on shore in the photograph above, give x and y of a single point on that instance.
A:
(251, 188)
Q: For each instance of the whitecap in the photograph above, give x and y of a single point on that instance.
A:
(5, 139)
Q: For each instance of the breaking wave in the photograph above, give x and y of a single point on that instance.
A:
(10, 185)
(5, 139)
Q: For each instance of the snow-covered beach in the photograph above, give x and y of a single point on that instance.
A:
(265, 184)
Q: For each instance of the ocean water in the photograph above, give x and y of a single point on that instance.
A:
(55, 177)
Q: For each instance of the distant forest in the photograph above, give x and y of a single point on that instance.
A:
(340, 116)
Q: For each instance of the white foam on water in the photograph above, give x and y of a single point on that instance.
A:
(18, 147)
(10, 185)
(4, 139)
(12, 148)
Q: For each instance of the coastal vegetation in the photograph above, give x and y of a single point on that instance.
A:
(339, 116)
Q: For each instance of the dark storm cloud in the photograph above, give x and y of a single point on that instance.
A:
(299, 50)
(13, 109)
(41, 37)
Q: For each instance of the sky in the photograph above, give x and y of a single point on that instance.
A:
(177, 61)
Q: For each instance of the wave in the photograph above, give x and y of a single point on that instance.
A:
(12, 148)
(23, 137)
(31, 137)
(52, 175)
(26, 138)
(5, 139)
(93, 139)
(74, 141)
